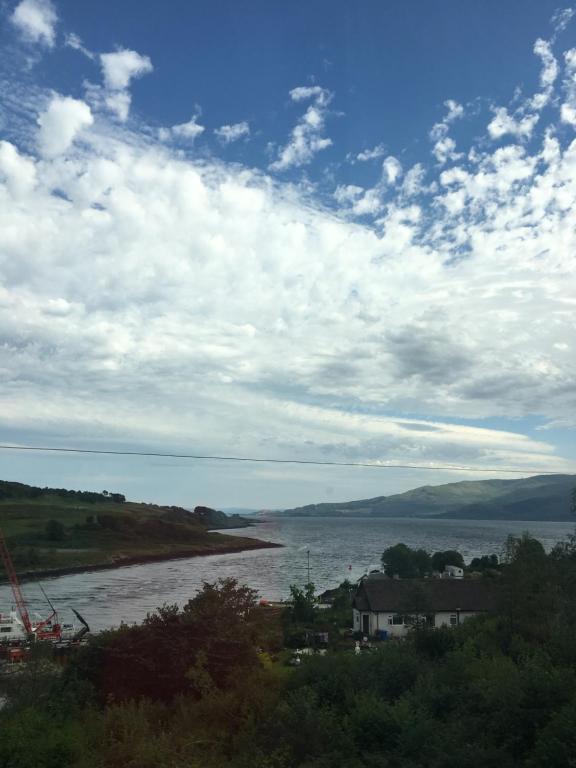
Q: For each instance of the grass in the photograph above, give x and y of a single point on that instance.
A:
(101, 533)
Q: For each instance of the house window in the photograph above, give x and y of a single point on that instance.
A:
(5, 629)
(453, 620)
(397, 618)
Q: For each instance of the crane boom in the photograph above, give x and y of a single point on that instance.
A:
(15, 584)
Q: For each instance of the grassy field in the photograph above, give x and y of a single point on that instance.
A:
(52, 531)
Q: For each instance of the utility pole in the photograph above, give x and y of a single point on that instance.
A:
(308, 566)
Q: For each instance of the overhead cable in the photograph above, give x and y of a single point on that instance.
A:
(254, 459)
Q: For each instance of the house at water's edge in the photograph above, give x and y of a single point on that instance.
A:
(393, 606)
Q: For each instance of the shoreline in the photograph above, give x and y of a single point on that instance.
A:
(245, 545)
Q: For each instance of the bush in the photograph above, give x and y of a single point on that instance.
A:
(55, 531)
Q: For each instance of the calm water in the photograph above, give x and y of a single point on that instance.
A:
(126, 594)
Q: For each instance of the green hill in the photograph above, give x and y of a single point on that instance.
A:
(57, 529)
(542, 497)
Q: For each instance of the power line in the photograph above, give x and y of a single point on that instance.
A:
(436, 468)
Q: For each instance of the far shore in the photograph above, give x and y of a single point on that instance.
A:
(243, 545)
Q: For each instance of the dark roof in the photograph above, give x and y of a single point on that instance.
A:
(422, 595)
(328, 595)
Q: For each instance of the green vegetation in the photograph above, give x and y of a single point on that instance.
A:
(407, 563)
(209, 686)
(213, 518)
(53, 529)
(304, 624)
(543, 497)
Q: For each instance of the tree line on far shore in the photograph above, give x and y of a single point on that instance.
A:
(408, 563)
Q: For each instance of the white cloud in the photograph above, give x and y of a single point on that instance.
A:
(119, 285)
(229, 133)
(72, 40)
(454, 176)
(306, 139)
(61, 123)
(454, 111)
(371, 154)
(503, 123)
(347, 193)
(17, 171)
(188, 131)
(568, 107)
(521, 122)
(561, 18)
(445, 149)
(391, 170)
(568, 114)
(118, 102)
(128, 277)
(119, 68)
(570, 60)
(549, 72)
(36, 21)
(413, 181)
(321, 96)
(122, 66)
(369, 204)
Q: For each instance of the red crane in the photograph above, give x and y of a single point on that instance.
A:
(15, 584)
(42, 630)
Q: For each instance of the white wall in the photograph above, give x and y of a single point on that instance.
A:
(383, 621)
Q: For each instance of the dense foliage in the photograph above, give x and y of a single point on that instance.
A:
(208, 686)
(408, 563)
(11, 490)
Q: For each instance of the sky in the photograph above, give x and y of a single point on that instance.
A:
(321, 231)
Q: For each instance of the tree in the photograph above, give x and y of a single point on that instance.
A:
(528, 594)
(405, 562)
(226, 609)
(55, 531)
(208, 645)
(303, 601)
(484, 563)
(449, 557)
(343, 598)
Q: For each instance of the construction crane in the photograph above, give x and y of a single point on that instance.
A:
(41, 630)
(15, 584)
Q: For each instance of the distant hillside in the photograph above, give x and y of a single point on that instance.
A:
(214, 519)
(542, 497)
(55, 529)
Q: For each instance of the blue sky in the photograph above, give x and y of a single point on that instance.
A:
(298, 230)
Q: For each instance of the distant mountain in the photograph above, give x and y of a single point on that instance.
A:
(542, 497)
(241, 511)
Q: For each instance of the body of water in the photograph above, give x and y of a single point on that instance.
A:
(339, 548)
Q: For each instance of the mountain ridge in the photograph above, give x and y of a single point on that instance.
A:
(539, 497)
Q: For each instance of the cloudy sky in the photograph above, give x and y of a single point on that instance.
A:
(323, 231)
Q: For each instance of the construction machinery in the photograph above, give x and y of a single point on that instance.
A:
(17, 627)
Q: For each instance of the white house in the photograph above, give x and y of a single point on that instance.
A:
(452, 572)
(393, 606)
